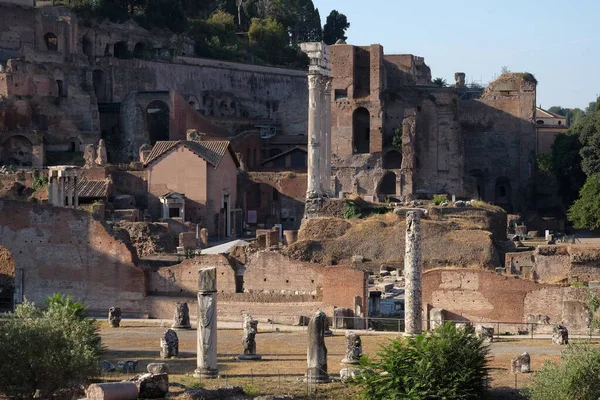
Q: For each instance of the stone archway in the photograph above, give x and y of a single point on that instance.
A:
(157, 117)
(392, 160)
(361, 131)
(17, 150)
(51, 41)
(388, 184)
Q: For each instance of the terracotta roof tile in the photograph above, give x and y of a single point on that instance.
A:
(211, 151)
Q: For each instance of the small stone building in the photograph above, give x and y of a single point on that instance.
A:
(203, 173)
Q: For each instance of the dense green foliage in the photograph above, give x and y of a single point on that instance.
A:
(227, 29)
(335, 27)
(441, 82)
(585, 212)
(576, 377)
(351, 210)
(449, 363)
(47, 350)
(439, 199)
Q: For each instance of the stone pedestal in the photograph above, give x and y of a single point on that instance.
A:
(317, 352)
(413, 319)
(207, 324)
(181, 319)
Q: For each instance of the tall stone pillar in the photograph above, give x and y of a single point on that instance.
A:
(69, 189)
(317, 352)
(326, 140)
(207, 324)
(319, 126)
(412, 275)
(75, 192)
(61, 190)
(313, 187)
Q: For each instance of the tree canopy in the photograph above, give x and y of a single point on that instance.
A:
(335, 27)
(228, 29)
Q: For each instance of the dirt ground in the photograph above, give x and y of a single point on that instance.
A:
(284, 360)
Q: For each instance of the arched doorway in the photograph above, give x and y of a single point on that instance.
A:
(7, 279)
(392, 160)
(157, 117)
(387, 184)
(139, 50)
(121, 50)
(88, 48)
(51, 41)
(17, 150)
(98, 82)
(479, 178)
(361, 131)
(503, 193)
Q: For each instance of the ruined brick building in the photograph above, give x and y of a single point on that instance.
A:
(396, 134)
(65, 84)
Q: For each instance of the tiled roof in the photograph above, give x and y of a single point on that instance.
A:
(211, 151)
(89, 189)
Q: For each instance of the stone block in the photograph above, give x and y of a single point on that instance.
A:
(187, 240)
(290, 237)
(158, 368)
(152, 386)
(207, 280)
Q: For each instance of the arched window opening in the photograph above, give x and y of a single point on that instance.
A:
(387, 185)
(503, 192)
(88, 48)
(121, 50)
(51, 41)
(157, 117)
(17, 150)
(361, 131)
(139, 50)
(392, 160)
(559, 122)
(98, 82)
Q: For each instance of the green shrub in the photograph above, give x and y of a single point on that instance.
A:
(39, 182)
(351, 210)
(449, 363)
(47, 350)
(439, 199)
(576, 377)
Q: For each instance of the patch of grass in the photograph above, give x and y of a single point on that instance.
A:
(191, 382)
(39, 182)
(439, 199)
(485, 206)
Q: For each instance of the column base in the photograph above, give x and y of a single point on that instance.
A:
(181, 326)
(249, 357)
(206, 373)
(316, 375)
(314, 207)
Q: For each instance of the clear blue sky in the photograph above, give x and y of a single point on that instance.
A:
(557, 41)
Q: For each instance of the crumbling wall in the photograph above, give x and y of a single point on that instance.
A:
(60, 250)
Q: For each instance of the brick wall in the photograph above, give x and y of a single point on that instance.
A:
(62, 250)
(181, 280)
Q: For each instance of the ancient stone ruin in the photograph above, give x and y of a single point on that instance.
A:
(114, 317)
(169, 344)
(317, 352)
(521, 364)
(207, 324)
(152, 386)
(484, 332)
(412, 274)
(353, 348)
(353, 353)
(181, 320)
(560, 335)
(249, 341)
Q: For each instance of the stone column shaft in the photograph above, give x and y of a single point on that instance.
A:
(69, 188)
(75, 193)
(412, 275)
(61, 191)
(207, 324)
(313, 188)
(326, 140)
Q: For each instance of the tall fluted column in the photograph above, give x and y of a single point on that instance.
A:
(313, 189)
(326, 140)
(75, 192)
(69, 189)
(207, 324)
(412, 275)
